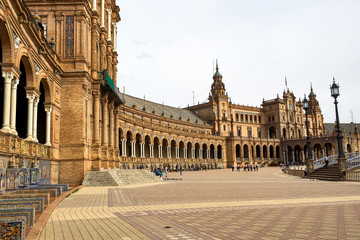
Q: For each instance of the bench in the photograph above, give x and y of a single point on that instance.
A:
(37, 203)
(65, 187)
(27, 212)
(12, 227)
(52, 192)
(45, 196)
(45, 187)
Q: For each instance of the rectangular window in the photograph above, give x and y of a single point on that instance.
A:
(239, 131)
(224, 128)
(249, 132)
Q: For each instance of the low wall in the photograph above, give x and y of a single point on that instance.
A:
(293, 172)
(352, 176)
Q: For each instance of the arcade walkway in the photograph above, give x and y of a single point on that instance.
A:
(216, 204)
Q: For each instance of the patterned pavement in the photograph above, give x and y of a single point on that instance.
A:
(216, 204)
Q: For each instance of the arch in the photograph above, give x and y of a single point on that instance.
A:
(237, 117)
(284, 133)
(265, 153)
(297, 154)
(138, 138)
(299, 133)
(28, 67)
(237, 151)
(246, 118)
(212, 151)
(165, 147)
(121, 135)
(204, 152)
(289, 157)
(348, 148)
(41, 113)
(156, 147)
(147, 146)
(251, 118)
(258, 151)
(255, 119)
(271, 150)
(43, 79)
(242, 117)
(181, 149)
(317, 151)
(129, 139)
(220, 155)
(252, 153)
(7, 44)
(328, 149)
(246, 152)
(197, 147)
(189, 150)
(277, 150)
(173, 148)
(272, 132)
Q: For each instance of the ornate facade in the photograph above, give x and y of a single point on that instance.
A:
(59, 103)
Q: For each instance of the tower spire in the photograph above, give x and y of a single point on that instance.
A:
(217, 66)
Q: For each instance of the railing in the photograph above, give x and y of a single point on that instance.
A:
(319, 163)
(353, 161)
(352, 176)
(353, 154)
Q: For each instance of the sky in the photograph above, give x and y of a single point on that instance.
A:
(167, 48)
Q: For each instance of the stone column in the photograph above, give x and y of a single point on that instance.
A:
(193, 153)
(169, 152)
(48, 125)
(102, 13)
(116, 129)
(160, 151)
(105, 131)
(151, 150)
(109, 24)
(115, 36)
(222, 154)
(30, 98)
(200, 154)
(94, 5)
(94, 37)
(111, 109)
(8, 76)
(215, 154)
(14, 85)
(96, 117)
(143, 149)
(123, 147)
(208, 154)
(177, 152)
(35, 111)
(261, 154)
(133, 150)
(185, 153)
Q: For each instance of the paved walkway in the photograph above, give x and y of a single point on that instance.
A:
(216, 204)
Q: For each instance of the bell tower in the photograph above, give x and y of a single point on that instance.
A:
(315, 114)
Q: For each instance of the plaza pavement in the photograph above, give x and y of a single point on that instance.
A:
(215, 204)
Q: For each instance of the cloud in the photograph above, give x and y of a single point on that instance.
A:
(144, 55)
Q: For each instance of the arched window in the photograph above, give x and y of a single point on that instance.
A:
(251, 118)
(237, 117)
(241, 118)
(246, 118)
(255, 119)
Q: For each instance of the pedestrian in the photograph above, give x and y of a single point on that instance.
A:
(232, 167)
(180, 170)
(251, 167)
(326, 161)
(166, 171)
(257, 168)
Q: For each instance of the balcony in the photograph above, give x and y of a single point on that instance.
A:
(107, 84)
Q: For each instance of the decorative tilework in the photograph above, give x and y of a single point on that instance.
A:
(44, 172)
(34, 176)
(33, 194)
(12, 228)
(69, 36)
(12, 178)
(28, 213)
(24, 174)
(37, 203)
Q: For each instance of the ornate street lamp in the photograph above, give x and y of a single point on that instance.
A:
(335, 93)
(308, 142)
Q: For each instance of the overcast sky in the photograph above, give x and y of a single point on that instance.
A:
(166, 50)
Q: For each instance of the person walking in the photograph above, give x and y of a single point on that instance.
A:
(326, 161)
(257, 168)
(180, 170)
(166, 171)
(232, 167)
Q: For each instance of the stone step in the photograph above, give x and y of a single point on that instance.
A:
(117, 177)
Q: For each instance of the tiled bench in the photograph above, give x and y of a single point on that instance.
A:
(52, 192)
(45, 196)
(12, 227)
(28, 213)
(37, 203)
(45, 187)
(65, 187)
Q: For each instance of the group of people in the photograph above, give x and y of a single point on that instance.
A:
(159, 172)
(248, 168)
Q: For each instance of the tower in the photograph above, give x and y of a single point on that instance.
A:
(317, 119)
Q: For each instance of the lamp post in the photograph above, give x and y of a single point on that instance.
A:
(335, 93)
(308, 142)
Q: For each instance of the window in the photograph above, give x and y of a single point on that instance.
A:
(224, 114)
(255, 119)
(273, 118)
(269, 118)
(242, 117)
(259, 119)
(249, 132)
(239, 131)
(251, 118)
(224, 128)
(259, 132)
(246, 118)
(237, 117)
